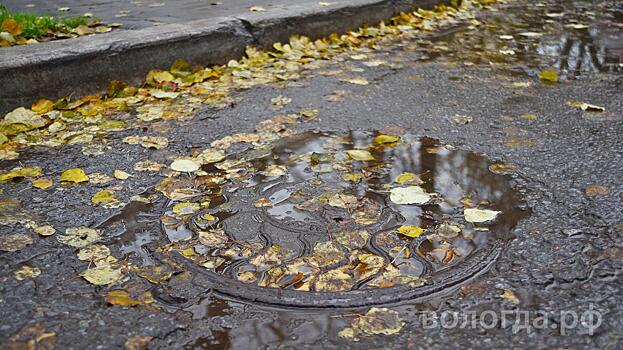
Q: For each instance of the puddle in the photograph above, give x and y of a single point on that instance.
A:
(306, 217)
(572, 36)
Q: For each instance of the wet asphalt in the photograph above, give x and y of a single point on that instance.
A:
(566, 256)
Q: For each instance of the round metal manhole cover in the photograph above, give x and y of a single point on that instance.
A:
(329, 219)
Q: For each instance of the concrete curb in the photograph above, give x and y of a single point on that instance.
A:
(85, 65)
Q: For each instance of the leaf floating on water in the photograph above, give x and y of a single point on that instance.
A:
(353, 177)
(409, 195)
(79, 236)
(479, 215)
(263, 203)
(27, 272)
(186, 208)
(359, 154)
(383, 139)
(548, 76)
(587, 107)
(102, 275)
(184, 165)
(74, 175)
(42, 183)
(501, 168)
(274, 171)
(14, 242)
(408, 178)
(410, 231)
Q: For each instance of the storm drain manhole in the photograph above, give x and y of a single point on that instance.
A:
(343, 219)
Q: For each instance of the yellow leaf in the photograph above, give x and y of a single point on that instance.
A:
(20, 172)
(79, 236)
(184, 165)
(478, 215)
(27, 272)
(410, 231)
(123, 298)
(548, 76)
(121, 175)
(359, 154)
(409, 195)
(381, 139)
(587, 107)
(42, 183)
(102, 275)
(11, 26)
(186, 208)
(104, 197)
(408, 178)
(74, 175)
(46, 230)
(353, 177)
(42, 106)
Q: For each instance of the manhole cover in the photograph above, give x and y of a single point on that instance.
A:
(325, 219)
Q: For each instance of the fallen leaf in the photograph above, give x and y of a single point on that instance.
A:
(46, 230)
(548, 76)
(186, 208)
(409, 195)
(140, 342)
(14, 242)
(587, 107)
(478, 215)
(184, 165)
(26, 272)
(102, 275)
(353, 177)
(79, 236)
(510, 296)
(211, 156)
(501, 168)
(257, 9)
(383, 139)
(42, 183)
(155, 142)
(356, 81)
(263, 203)
(410, 231)
(408, 178)
(597, 190)
(148, 165)
(20, 172)
(123, 298)
(121, 175)
(104, 197)
(42, 106)
(359, 154)
(462, 119)
(74, 175)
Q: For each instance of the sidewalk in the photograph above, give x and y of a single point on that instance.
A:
(201, 33)
(144, 14)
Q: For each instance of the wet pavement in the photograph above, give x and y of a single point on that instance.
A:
(477, 121)
(142, 14)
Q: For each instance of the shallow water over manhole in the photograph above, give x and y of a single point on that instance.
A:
(344, 219)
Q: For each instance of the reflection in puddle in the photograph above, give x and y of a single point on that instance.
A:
(317, 213)
(575, 37)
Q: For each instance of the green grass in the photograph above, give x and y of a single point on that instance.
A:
(34, 26)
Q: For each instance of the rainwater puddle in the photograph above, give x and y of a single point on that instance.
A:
(319, 218)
